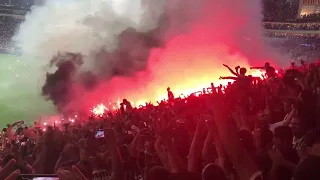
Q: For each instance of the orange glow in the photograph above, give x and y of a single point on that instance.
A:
(187, 64)
(190, 87)
(184, 89)
(99, 110)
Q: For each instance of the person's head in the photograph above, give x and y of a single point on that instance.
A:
(213, 172)
(311, 143)
(308, 169)
(260, 123)
(243, 71)
(262, 138)
(263, 116)
(185, 176)
(267, 64)
(71, 152)
(19, 130)
(247, 139)
(168, 89)
(282, 138)
(158, 173)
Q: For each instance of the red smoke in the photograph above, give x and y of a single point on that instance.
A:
(188, 64)
(193, 55)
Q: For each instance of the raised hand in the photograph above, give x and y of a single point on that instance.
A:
(227, 131)
(8, 173)
(275, 156)
(14, 175)
(74, 174)
(110, 137)
(201, 123)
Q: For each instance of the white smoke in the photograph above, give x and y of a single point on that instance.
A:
(81, 26)
(201, 35)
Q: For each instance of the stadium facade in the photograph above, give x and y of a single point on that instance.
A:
(307, 7)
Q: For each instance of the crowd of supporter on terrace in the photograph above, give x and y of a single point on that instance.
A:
(8, 26)
(309, 16)
(275, 16)
(13, 11)
(253, 129)
(292, 26)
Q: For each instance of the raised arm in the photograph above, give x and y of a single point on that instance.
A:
(231, 70)
(175, 161)
(256, 67)
(133, 146)
(194, 157)
(286, 121)
(218, 145)
(206, 151)
(227, 130)
(229, 77)
(161, 153)
(116, 161)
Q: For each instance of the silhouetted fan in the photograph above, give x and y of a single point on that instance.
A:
(290, 75)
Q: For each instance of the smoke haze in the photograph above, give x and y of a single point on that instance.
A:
(135, 50)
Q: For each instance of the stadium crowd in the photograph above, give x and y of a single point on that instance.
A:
(317, 15)
(8, 26)
(253, 129)
(278, 15)
(292, 26)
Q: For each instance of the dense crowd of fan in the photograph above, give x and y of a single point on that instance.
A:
(252, 129)
(13, 11)
(276, 13)
(280, 10)
(8, 26)
(292, 26)
(316, 15)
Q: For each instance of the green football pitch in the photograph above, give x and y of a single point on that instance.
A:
(20, 92)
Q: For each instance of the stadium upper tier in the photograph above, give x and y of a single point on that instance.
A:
(274, 29)
(12, 10)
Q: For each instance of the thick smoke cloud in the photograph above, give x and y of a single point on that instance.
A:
(58, 85)
(130, 57)
(136, 49)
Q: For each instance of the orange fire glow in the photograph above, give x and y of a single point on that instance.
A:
(187, 64)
